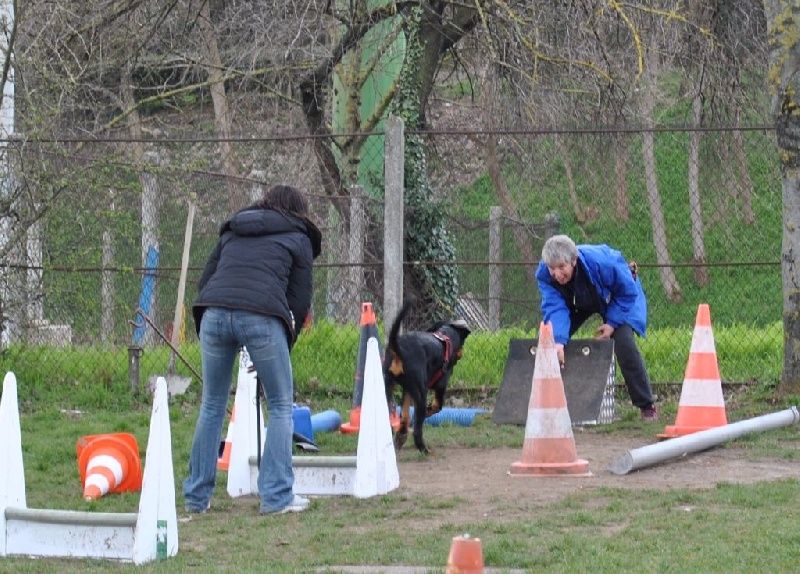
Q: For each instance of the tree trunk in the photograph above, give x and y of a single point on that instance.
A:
(523, 242)
(729, 182)
(695, 205)
(222, 121)
(668, 279)
(107, 291)
(436, 36)
(784, 82)
(621, 172)
(563, 151)
(744, 173)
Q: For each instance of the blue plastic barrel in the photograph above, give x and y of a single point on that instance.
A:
(301, 416)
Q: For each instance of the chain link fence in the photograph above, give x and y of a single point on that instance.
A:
(94, 239)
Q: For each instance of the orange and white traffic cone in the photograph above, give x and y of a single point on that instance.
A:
(369, 329)
(109, 463)
(549, 447)
(466, 556)
(701, 405)
(224, 460)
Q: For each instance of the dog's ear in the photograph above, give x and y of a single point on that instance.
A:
(461, 326)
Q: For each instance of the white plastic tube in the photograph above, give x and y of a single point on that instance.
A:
(701, 440)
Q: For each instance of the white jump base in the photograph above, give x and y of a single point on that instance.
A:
(372, 471)
(324, 475)
(45, 533)
(139, 537)
(317, 476)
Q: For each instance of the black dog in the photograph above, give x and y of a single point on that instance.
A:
(419, 361)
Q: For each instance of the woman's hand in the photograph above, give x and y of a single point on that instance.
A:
(604, 331)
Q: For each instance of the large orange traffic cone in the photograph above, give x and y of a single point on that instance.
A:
(466, 556)
(369, 328)
(224, 460)
(701, 405)
(109, 463)
(549, 447)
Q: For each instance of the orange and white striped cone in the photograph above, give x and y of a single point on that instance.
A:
(369, 329)
(549, 447)
(224, 460)
(109, 463)
(701, 405)
(466, 556)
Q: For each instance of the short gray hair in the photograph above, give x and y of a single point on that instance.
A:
(559, 249)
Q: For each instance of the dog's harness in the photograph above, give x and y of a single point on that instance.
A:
(448, 348)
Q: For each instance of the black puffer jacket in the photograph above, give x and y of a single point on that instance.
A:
(262, 263)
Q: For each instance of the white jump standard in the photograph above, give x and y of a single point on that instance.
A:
(372, 471)
(139, 537)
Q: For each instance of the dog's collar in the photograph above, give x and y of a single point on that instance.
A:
(448, 348)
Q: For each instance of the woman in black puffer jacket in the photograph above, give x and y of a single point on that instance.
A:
(255, 292)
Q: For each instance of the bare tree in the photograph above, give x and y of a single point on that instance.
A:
(215, 70)
(668, 279)
(490, 96)
(695, 204)
(269, 65)
(783, 21)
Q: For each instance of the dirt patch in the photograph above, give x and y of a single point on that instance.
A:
(481, 475)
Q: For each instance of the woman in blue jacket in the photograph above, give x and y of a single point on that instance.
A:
(255, 291)
(577, 281)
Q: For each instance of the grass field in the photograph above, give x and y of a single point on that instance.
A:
(724, 527)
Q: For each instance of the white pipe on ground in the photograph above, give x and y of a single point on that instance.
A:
(701, 440)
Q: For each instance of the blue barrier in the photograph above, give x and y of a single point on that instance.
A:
(146, 295)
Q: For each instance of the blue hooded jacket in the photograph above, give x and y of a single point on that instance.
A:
(621, 297)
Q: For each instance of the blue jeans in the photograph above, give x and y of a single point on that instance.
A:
(222, 333)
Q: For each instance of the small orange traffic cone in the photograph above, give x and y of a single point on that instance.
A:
(701, 405)
(369, 328)
(109, 463)
(466, 556)
(224, 460)
(549, 447)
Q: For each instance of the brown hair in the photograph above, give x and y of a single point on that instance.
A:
(285, 199)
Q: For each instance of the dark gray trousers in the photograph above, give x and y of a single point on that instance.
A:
(631, 364)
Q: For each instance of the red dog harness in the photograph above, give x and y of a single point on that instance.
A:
(448, 347)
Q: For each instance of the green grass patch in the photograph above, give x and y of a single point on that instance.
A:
(324, 362)
(727, 528)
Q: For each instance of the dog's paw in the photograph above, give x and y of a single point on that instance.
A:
(400, 439)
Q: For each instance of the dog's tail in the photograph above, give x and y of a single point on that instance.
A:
(391, 343)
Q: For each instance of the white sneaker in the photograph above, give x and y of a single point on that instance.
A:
(298, 504)
(198, 511)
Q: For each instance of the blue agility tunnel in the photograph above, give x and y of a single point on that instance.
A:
(326, 421)
(459, 416)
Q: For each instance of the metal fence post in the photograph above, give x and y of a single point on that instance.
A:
(134, 354)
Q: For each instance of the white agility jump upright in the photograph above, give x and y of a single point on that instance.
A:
(372, 471)
(128, 537)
